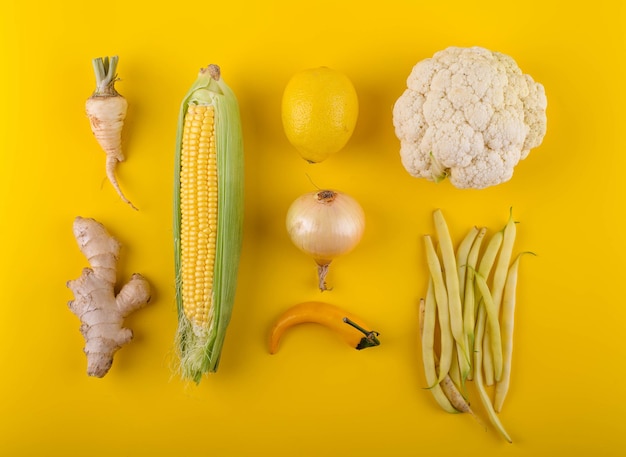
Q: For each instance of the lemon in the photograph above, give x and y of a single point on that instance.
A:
(319, 112)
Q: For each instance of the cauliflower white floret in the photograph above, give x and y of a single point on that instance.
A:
(469, 114)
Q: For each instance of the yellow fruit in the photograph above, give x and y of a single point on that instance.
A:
(319, 112)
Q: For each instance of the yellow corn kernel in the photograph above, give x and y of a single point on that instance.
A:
(198, 202)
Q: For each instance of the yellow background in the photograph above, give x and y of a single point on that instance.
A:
(316, 396)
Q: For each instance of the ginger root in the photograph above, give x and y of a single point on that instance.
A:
(100, 311)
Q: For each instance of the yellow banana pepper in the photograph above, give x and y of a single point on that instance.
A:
(349, 326)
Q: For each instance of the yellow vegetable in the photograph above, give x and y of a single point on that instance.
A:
(319, 112)
(208, 220)
(348, 325)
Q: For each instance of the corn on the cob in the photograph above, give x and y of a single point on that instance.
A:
(208, 220)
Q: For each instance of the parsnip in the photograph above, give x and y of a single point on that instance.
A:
(106, 110)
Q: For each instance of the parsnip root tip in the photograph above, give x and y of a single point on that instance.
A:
(111, 166)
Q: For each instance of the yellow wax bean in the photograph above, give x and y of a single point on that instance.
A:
(478, 377)
(497, 287)
(484, 268)
(493, 325)
(452, 286)
(428, 317)
(507, 324)
(469, 311)
(441, 296)
(462, 254)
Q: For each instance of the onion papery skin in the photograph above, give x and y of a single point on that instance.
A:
(325, 224)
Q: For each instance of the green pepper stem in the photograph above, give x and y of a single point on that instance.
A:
(370, 338)
(358, 327)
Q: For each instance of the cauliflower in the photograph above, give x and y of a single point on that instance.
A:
(468, 114)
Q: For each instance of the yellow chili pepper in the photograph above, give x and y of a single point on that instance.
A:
(350, 327)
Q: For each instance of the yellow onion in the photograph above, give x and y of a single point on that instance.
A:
(325, 225)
